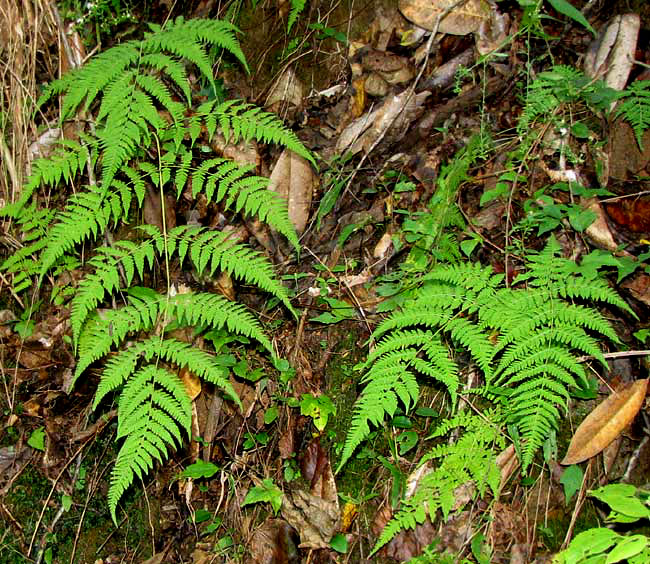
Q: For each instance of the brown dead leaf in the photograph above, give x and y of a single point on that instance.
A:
(611, 54)
(632, 213)
(315, 519)
(396, 113)
(288, 88)
(294, 179)
(624, 158)
(315, 466)
(606, 422)
(463, 19)
(599, 232)
(225, 286)
(152, 209)
(273, 543)
(244, 152)
(639, 286)
(191, 382)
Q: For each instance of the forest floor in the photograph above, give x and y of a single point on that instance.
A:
(368, 233)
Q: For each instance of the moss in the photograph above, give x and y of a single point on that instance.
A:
(27, 495)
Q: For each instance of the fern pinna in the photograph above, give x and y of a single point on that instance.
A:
(525, 340)
(145, 131)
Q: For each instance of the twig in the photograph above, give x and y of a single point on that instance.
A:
(620, 354)
(579, 503)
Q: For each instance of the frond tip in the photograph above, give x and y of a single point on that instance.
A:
(154, 409)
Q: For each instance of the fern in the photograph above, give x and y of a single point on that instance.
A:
(469, 460)
(143, 407)
(139, 96)
(153, 409)
(533, 363)
(297, 6)
(209, 251)
(22, 264)
(635, 108)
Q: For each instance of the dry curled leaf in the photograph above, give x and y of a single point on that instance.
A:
(611, 54)
(294, 179)
(463, 18)
(606, 422)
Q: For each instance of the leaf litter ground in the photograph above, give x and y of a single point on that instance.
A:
(53, 458)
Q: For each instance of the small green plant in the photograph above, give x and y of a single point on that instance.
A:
(635, 108)
(100, 16)
(266, 491)
(320, 409)
(628, 505)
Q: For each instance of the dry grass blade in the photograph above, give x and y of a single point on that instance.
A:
(24, 28)
(606, 422)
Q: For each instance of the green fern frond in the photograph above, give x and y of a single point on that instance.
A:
(635, 108)
(23, 264)
(216, 312)
(549, 90)
(391, 376)
(176, 35)
(86, 215)
(522, 339)
(102, 332)
(597, 290)
(240, 120)
(172, 67)
(416, 314)
(297, 6)
(153, 409)
(249, 193)
(105, 279)
(65, 162)
(470, 460)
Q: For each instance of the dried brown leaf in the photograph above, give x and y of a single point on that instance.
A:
(294, 179)
(463, 19)
(606, 422)
(191, 382)
(273, 543)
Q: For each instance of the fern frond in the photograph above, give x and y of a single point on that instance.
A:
(101, 333)
(172, 68)
(470, 460)
(217, 251)
(83, 217)
(389, 381)
(105, 279)
(635, 108)
(86, 215)
(417, 314)
(240, 120)
(216, 312)
(184, 38)
(297, 6)
(249, 194)
(119, 368)
(65, 162)
(549, 91)
(153, 409)
(391, 376)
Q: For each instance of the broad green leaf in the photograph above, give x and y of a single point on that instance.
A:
(571, 12)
